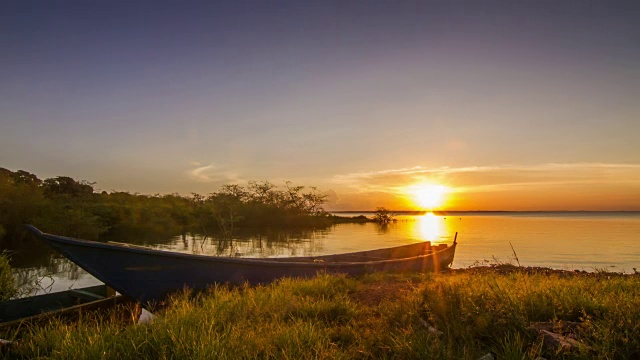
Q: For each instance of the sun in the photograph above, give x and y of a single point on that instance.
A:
(429, 195)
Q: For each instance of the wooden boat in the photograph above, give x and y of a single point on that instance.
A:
(41, 307)
(147, 275)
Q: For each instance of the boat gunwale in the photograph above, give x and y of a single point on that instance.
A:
(244, 261)
(63, 311)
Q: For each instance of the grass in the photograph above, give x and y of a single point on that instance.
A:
(377, 316)
(8, 288)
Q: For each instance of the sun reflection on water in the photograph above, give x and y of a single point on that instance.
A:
(429, 227)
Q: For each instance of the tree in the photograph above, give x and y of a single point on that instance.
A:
(383, 216)
(314, 201)
(227, 205)
(26, 178)
(64, 185)
(262, 193)
(21, 200)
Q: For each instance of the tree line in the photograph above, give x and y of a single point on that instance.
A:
(69, 207)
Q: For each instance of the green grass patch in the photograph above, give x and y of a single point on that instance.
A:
(378, 316)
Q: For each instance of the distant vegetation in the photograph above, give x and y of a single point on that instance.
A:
(66, 206)
(383, 216)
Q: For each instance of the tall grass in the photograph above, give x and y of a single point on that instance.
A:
(378, 316)
(8, 288)
(495, 311)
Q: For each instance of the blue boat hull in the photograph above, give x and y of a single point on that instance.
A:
(148, 275)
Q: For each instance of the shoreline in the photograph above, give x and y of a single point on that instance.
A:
(504, 269)
(493, 212)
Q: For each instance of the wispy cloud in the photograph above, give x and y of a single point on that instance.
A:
(209, 174)
(416, 170)
(202, 173)
(420, 170)
(493, 177)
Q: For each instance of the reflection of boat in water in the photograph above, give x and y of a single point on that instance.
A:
(148, 274)
(59, 304)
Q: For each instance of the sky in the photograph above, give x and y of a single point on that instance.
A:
(527, 105)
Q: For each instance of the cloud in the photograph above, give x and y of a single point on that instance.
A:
(602, 186)
(210, 174)
(412, 171)
(202, 174)
(332, 197)
(493, 177)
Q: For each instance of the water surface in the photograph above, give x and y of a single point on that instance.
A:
(585, 241)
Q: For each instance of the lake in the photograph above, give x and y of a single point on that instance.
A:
(577, 240)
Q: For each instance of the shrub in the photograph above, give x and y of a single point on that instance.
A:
(8, 288)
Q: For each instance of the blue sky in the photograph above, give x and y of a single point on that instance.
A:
(159, 97)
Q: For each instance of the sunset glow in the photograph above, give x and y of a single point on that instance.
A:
(429, 196)
(446, 105)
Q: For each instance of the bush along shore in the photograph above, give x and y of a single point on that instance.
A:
(499, 312)
(69, 207)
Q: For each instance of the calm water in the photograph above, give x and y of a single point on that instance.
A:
(586, 241)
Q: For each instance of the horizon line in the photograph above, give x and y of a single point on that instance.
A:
(486, 211)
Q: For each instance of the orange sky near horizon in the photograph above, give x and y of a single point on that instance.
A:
(553, 187)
